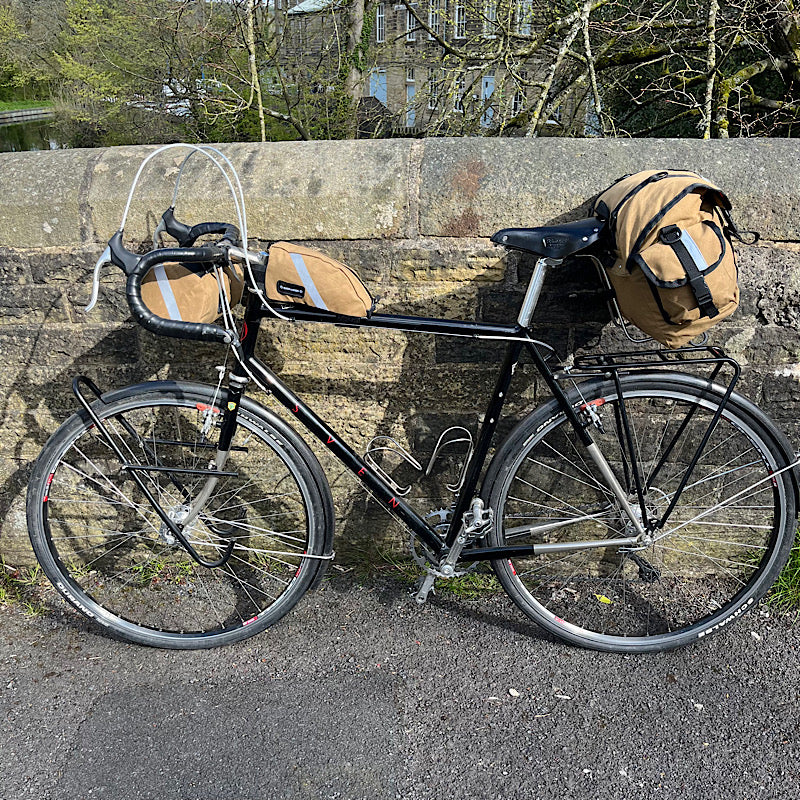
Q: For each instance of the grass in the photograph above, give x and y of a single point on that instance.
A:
(784, 596)
(22, 587)
(474, 585)
(20, 105)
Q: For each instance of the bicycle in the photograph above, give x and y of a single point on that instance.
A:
(640, 508)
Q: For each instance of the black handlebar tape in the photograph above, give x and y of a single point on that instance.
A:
(197, 331)
(186, 236)
(228, 231)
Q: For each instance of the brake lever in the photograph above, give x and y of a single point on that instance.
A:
(104, 259)
(180, 231)
(160, 228)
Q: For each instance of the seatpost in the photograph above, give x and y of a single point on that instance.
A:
(535, 289)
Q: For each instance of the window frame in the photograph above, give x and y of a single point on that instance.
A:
(380, 24)
(459, 19)
(411, 26)
(435, 18)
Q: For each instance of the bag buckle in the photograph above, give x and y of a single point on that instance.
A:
(670, 234)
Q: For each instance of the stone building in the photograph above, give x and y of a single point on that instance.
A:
(414, 84)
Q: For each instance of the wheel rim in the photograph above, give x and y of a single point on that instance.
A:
(121, 565)
(704, 568)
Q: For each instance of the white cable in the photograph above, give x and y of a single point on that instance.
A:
(239, 206)
(242, 218)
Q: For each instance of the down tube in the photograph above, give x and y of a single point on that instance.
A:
(382, 492)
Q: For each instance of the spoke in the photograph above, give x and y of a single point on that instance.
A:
(595, 484)
(256, 529)
(720, 562)
(745, 545)
(568, 505)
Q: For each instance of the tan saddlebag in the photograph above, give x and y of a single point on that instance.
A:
(297, 274)
(673, 268)
(189, 292)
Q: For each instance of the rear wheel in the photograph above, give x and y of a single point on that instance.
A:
(105, 549)
(719, 551)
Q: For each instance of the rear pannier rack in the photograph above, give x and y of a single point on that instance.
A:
(590, 365)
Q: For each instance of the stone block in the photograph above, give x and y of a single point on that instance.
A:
(293, 190)
(14, 267)
(32, 304)
(42, 197)
(15, 548)
(70, 347)
(72, 266)
(474, 187)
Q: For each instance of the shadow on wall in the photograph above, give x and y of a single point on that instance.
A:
(571, 315)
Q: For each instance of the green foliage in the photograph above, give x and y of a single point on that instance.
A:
(18, 105)
(474, 585)
(241, 127)
(784, 597)
(18, 80)
(23, 587)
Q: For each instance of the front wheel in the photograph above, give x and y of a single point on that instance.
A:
(104, 548)
(719, 551)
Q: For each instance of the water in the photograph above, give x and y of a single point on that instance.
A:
(38, 135)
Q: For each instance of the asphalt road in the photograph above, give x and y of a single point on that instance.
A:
(359, 694)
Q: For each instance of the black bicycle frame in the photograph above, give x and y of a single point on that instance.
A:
(517, 339)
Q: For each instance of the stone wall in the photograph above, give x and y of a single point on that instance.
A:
(414, 218)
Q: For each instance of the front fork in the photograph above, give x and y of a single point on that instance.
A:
(236, 386)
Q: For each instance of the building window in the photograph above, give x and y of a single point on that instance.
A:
(377, 85)
(380, 24)
(487, 90)
(435, 18)
(518, 103)
(458, 100)
(409, 74)
(411, 115)
(434, 91)
(490, 18)
(411, 26)
(524, 15)
(460, 20)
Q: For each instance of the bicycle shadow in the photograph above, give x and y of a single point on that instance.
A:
(571, 315)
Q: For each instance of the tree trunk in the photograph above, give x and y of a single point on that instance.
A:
(711, 67)
(353, 78)
(255, 78)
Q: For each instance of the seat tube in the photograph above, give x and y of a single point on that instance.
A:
(534, 290)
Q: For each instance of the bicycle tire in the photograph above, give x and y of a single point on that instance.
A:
(105, 550)
(719, 552)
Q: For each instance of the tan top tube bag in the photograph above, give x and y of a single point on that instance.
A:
(302, 275)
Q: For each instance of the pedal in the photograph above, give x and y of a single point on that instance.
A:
(425, 587)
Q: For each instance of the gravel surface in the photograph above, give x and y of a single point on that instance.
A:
(359, 694)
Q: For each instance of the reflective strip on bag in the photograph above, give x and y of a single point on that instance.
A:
(306, 280)
(694, 251)
(166, 292)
